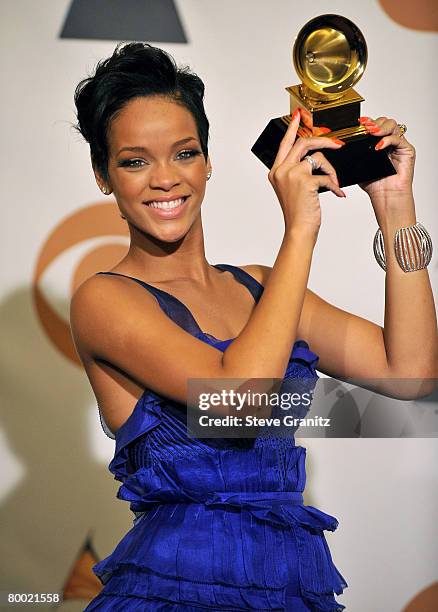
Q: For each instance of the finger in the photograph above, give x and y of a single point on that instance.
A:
(288, 139)
(371, 121)
(325, 181)
(384, 127)
(304, 132)
(319, 131)
(381, 126)
(378, 120)
(322, 164)
(306, 118)
(394, 140)
(303, 145)
(314, 131)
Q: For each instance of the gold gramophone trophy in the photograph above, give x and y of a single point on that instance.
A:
(330, 55)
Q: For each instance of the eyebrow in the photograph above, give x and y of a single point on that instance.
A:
(142, 149)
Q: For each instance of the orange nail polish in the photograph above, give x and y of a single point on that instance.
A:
(363, 119)
(324, 130)
(295, 113)
(338, 141)
(373, 130)
(379, 145)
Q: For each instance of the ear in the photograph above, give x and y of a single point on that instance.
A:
(101, 183)
(209, 168)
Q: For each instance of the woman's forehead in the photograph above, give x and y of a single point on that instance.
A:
(149, 118)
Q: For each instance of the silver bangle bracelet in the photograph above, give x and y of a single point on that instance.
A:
(412, 247)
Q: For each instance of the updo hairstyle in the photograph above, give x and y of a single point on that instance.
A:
(134, 70)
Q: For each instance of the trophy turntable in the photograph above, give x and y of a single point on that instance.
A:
(330, 56)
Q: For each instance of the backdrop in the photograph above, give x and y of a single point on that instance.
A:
(58, 513)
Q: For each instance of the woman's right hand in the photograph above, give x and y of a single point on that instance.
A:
(295, 185)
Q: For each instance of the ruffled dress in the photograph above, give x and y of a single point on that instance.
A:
(220, 524)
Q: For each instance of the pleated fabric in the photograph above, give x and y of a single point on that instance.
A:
(219, 524)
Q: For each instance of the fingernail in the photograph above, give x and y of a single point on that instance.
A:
(295, 113)
(373, 130)
(363, 119)
(343, 193)
(324, 130)
(379, 145)
(338, 141)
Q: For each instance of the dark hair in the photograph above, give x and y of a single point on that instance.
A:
(134, 70)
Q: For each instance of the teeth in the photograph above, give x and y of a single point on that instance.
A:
(167, 205)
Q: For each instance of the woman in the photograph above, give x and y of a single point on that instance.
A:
(220, 525)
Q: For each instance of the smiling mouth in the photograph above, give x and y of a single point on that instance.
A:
(169, 205)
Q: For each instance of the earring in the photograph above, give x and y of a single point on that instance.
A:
(208, 174)
(122, 216)
(104, 190)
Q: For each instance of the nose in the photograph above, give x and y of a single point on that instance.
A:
(163, 176)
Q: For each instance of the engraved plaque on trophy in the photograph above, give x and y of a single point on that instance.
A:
(330, 55)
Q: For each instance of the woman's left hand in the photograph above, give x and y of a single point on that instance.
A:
(402, 154)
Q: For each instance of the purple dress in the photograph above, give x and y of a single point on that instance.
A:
(219, 524)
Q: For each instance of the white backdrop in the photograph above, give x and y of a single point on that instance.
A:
(55, 488)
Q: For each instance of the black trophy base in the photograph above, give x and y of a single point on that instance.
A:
(356, 162)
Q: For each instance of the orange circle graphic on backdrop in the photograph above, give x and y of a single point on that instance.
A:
(426, 600)
(94, 221)
(418, 15)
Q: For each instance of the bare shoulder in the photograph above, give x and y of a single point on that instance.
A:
(115, 321)
(99, 298)
(88, 289)
(93, 287)
(259, 271)
(82, 304)
(88, 293)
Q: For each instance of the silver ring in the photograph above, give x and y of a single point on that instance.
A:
(312, 162)
(402, 129)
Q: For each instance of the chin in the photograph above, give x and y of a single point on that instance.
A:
(172, 235)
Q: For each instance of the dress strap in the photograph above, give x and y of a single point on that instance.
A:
(179, 312)
(171, 306)
(246, 279)
(146, 285)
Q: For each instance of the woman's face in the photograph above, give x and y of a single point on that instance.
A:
(155, 156)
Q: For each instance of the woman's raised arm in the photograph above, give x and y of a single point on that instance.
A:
(124, 325)
(399, 359)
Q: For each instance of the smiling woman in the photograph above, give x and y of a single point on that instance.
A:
(139, 174)
(220, 523)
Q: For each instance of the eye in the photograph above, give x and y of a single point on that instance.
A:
(131, 163)
(188, 153)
